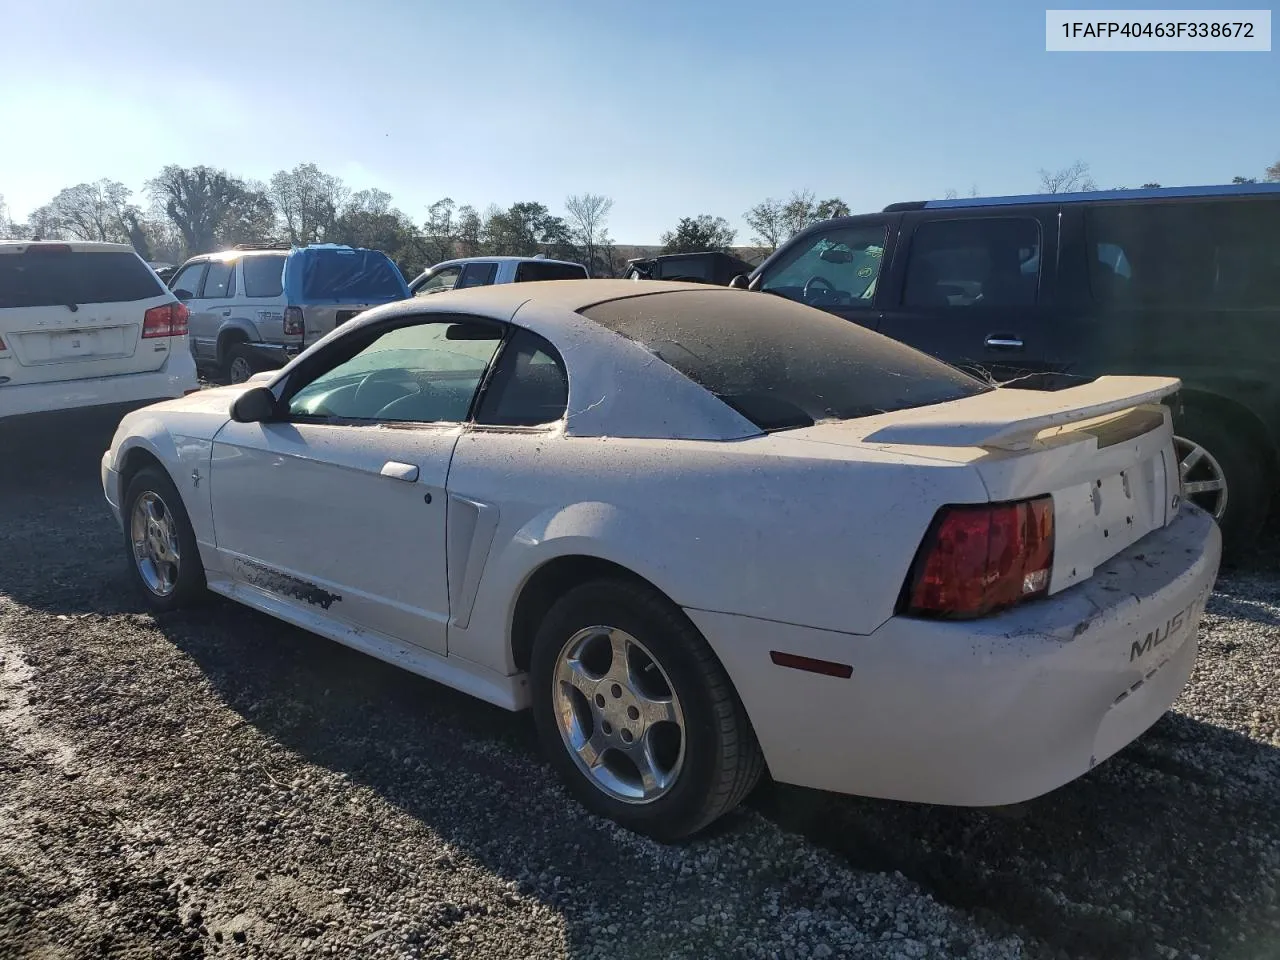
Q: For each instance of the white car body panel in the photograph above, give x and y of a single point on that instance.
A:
(797, 541)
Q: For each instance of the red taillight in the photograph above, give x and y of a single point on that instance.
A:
(3, 348)
(982, 558)
(294, 323)
(169, 320)
(39, 247)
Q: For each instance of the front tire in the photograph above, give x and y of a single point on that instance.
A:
(636, 714)
(160, 542)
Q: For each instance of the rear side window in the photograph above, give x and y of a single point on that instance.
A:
(219, 282)
(528, 387)
(533, 270)
(1206, 254)
(47, 278)
(778, 363)
(349, 275)
(478, 275)
(263, 276)
(991, 262)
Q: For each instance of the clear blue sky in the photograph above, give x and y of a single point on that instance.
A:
(671, 107)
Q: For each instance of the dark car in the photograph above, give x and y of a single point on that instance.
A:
(711, 266)
(1050, 291)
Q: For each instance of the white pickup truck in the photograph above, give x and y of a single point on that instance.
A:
(484, 271)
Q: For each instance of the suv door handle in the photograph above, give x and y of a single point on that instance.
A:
(400, 471)
(1002, 342)
(226, 313)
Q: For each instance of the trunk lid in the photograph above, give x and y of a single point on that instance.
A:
(75, 311)
(1104, 451)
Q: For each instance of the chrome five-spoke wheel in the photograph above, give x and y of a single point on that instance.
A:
(1203, 481)
(156, 551)
(618, 714)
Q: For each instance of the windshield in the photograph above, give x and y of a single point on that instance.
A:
(47, 278)
(778, 363)
(350, 275)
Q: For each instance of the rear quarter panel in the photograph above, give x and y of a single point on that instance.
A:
(767, 527)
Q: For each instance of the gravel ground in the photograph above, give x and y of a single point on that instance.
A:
(215, 782)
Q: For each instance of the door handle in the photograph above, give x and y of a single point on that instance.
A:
(400, 471)
(1001, 342)
(226, 313)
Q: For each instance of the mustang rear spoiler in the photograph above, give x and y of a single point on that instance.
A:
(1007, 416)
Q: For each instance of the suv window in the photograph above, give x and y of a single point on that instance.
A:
(188, 278)
(837, 267)
(439, 282)
(1202, 254)
(533, 270)
(528, 387)
(220, 281)
(57, 275)
(477, 275)
(263, 275)
(990, 262)
(424, 372)
(778, 363)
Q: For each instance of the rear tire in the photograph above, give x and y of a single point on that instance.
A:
(160, 543)
(667, 701)
(1232, 455)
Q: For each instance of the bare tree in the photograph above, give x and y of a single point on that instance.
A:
(211, 208)
(587, 221)
(91, 211)
(308, 201)
(1273, 171)
(440, 231)
(6, 225)
(1072, 179)
(950, 194)
(43, 224)
(768, 220)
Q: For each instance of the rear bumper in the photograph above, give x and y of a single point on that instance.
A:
(176, 378)
(111, 487)
(987, 712)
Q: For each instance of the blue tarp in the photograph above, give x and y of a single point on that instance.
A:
(336, 274)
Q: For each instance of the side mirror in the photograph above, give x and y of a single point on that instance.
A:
(254, 406)
(739, 282)
(183, 295)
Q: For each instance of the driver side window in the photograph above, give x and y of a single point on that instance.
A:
(425, 372)
(833, 268)
(439, 282)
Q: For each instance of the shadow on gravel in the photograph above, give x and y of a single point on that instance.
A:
(1175, 841)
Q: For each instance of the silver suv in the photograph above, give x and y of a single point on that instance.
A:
(257, 306)
(483, 271)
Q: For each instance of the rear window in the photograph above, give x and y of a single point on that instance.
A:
(778, 363)
(263, 275)
(39, 278)
(531, 271)
(694, 268)
(354, 275)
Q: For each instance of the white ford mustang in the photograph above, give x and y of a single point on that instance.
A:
(701, 532)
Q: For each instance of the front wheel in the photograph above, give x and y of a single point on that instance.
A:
(160, 542)
(636, 713)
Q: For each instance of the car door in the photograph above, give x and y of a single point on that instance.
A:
(975, 288)
(215, 297)
(836, 268)
(202, 330)
(337, 505)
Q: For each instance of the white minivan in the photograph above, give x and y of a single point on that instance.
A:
(87, 325)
